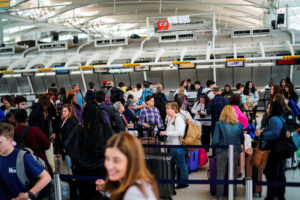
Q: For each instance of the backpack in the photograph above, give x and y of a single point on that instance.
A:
(116, 95)
(160, 104)
(19, 139)
(116, 120)
(290, 120)
(108, 92)
(192, 135)
(207, 99)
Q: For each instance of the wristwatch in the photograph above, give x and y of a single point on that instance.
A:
(30, 195)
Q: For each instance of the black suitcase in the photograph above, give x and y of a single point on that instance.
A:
(162, 166)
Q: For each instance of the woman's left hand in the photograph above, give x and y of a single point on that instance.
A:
(162, 133)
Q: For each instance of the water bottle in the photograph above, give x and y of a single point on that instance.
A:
(155, 130)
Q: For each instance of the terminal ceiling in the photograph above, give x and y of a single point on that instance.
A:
(114, 18)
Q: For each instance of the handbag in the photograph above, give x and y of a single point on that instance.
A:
(203, 159)
(260, 158)
(50, 156)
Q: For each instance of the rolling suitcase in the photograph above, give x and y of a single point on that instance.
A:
(193, 160)
(212, 174)
(162, 166)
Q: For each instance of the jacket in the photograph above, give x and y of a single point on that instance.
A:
(66, 128)
(241, 117)
(90, 96)
(272, 131)
(130, 116)
(215, 107)
(175, 129)
(226, 134)
(106, 106)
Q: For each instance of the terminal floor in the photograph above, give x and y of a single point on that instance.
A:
(201, 192)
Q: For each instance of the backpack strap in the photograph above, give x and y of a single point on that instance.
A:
(20, 168)
(25, 130)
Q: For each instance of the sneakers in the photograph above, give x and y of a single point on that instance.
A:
(182, 186)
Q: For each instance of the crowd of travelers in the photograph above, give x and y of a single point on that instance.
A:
(96, 131)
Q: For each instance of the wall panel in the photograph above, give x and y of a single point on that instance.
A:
(48, 80)
(77, 79)
(241, 75)
(136, 77)
(23, 85)
(38, 84)
(64, 81)
(204, 75)
(185, 74)
(92, 78)
(171, 79)
(224, 76)
(280, 72)
(122, 78)
(3, 86)
(261, 76)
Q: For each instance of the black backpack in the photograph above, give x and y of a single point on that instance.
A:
(116, 95)
(291, 120)
(116, 121)
(19, 139)
(160, 104)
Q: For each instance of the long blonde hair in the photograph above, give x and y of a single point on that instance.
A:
(228, 115)
(136, 169)
(181, 91)
(159, 88)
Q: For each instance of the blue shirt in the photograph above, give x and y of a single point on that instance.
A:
(8, 175)
(272, 130)
(215, 107)
(226, 134)
(80, 100)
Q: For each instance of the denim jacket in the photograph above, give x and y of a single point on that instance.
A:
(226, 133)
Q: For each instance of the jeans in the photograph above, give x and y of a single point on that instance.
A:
(222, 168)
(275, 172)
(179, 157)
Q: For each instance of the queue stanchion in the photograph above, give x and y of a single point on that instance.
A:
(249, 189)
(230, 172)
(57, 187)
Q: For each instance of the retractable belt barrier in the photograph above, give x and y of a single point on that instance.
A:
(195, 182)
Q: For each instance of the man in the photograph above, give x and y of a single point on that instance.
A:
(77, 93)
(146, 92)
(12, 187)
(151, 86)
(34, 138)
(53, 90)
(215, 106)
(104, 84)
(90, 94)
(240, 91)
(138, 91)
(208, 91)
(117, 94)
(105, 105)
(189, 87)
(199, 89)
(20, 102)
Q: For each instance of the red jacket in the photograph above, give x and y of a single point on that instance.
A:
(36, 140)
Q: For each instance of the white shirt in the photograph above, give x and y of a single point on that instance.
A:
(175, 131)
(138, 93)
(209, 94)
(201, 107)
(134, 193)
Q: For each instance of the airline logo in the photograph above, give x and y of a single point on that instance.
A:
(12, 170)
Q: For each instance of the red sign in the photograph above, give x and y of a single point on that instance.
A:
(286, 62)
(163, 24)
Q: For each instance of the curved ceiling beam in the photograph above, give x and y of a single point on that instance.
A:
(55, 59)
(75, 58)
(94, 57)
(38, 60)
(16, 63)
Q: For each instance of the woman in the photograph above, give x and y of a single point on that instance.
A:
(68, 122)
(227, 92)
(227, 131)
(150, 115)
(127, 175)
(8, 102)
(200, 113)
(181, 94)
(62, 95)
(254, 96)
(72, 99)
(120, 108)
(282, 85)
(275, 89)
(235, 101)
(185, 114)
(129, 112)
(131, 92)
(250, 106)
(160, 100)
(275, 168)
(175, 130)
(290, 93)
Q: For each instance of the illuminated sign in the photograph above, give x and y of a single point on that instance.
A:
(163, 24)
(132, 65)
(181, 62)
(86, 67)
(4, 4)
(44, 69)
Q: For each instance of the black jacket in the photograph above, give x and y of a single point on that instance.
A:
(66, 129)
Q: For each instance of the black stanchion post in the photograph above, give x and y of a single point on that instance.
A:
(57, 188)
(230, 172)
(249, 189)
